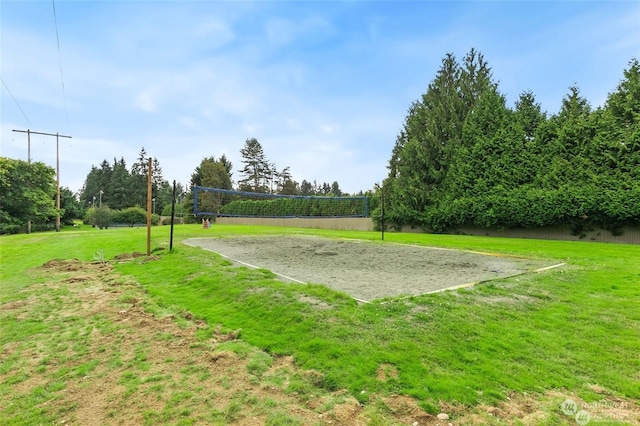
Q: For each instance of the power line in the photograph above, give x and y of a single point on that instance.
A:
(16, 101)
(64, 95)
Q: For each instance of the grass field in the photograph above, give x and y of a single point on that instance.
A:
(505, 352)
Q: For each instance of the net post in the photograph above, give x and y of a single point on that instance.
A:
(173, 214)
(379, 188)
(195, 200)
(382, 213)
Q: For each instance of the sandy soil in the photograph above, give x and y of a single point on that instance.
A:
(366, 270)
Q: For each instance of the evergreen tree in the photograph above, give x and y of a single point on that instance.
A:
(475, 80)
(470, 160)
(163, 196)
(257, 170)
(306, 188)
(431, 137)
(91, 188)
(529, 115)
(335, 189)
(71, 207)
(484, 160)
(160, 188)
(212, 173)
(622, 131)
(138, 181)
(228, 168)
(104, 182)
(119, 188)
(196, 176)
(570, 162)
(286, 184)
(157, 178)
(527, 119)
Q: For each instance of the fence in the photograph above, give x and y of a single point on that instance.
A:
(630, 235)
(341, 223)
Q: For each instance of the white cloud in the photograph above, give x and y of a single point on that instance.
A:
(214, 32)
(148, 99)
(325, 88)
(281, 32)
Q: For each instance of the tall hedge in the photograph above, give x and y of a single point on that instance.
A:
(464, 157)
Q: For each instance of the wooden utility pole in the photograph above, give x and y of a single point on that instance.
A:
(58, 136)
(28, 132)
(149, 209)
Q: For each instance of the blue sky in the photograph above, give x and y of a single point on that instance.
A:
(323, 85)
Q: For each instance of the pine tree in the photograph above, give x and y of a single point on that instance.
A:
(138, 182)
(623, 131)
(118, 189)
(432, 137)
(91, 188)
(257, 170)
(70, 206)
(335, 189)
(286, 184)
(306, 188)
(213, 173)
(104, 182)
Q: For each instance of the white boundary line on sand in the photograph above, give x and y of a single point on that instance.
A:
(471, 284)
(257, 267)
(245, 263)
(455, 287)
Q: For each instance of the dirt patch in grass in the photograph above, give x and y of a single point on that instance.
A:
(63, 265)
(133, 255)
(363, 269)
(127, 366)
(387, 371)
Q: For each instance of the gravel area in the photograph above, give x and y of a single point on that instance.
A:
(363, 269)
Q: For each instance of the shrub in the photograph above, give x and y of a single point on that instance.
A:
(99, 216)
(130, 216)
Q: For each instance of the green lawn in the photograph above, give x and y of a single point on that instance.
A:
(567, 329)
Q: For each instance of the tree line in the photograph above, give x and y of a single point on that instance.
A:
(113, 192)
(257, 174)
(117, 186)
(463, 157)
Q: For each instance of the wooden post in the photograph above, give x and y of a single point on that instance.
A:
(57, 182)
(29, 161)
(149, 209)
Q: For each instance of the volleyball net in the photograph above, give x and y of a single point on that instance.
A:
(230, 203)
